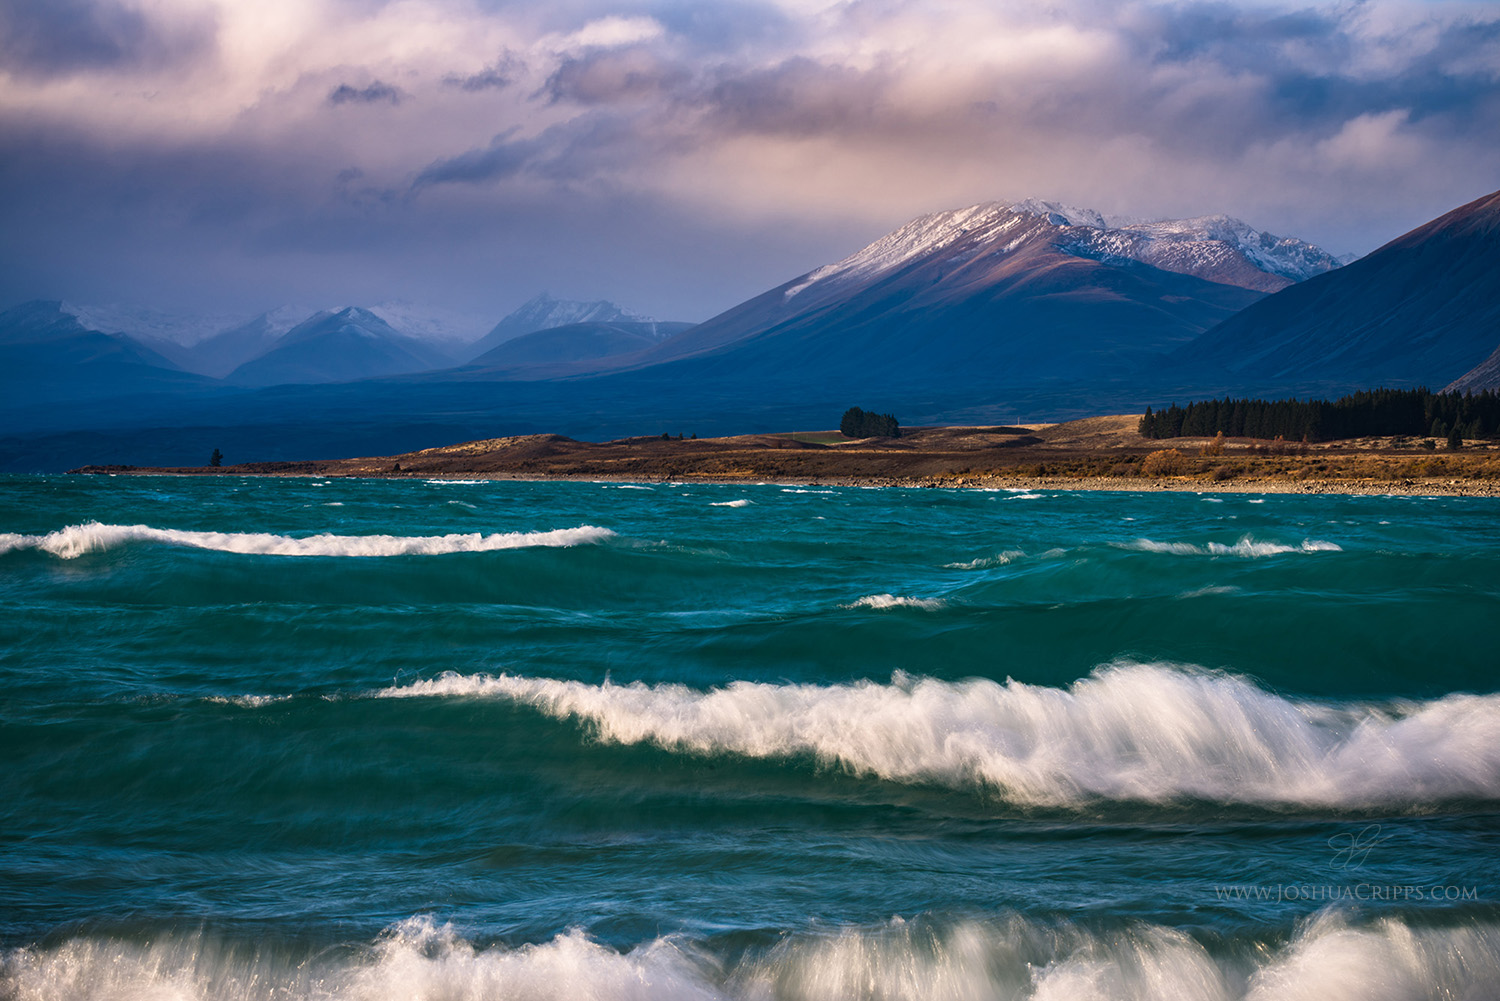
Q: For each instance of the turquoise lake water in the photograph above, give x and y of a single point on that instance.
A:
(394, 739)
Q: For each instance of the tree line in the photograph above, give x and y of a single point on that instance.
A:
(859, 423)
(1375, 412)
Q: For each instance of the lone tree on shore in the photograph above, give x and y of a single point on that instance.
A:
(859, 423)
(217, 459)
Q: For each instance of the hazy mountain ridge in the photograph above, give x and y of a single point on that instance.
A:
(543, 312)
(558, 351)
(979, 315)
(343, 346)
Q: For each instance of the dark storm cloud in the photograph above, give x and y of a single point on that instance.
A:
(44, 38)
(589, 146)
(375, 93)
(502, 158)
(487, 79)
(798, 97)
(1309, 65)
(610, 76)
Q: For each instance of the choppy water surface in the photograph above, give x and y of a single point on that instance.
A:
(306, 738)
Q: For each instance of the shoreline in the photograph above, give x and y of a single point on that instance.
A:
(1099, 484)
(1097, 453)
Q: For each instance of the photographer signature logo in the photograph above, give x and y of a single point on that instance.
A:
(1351, 849)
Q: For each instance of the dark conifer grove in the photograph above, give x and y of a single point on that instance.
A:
(1367, 413)
(858, 423)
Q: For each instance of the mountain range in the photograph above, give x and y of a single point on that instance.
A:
(974, 314)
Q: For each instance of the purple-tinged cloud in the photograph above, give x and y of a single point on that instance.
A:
(375, 93)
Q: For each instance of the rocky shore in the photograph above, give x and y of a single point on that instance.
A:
(1101, 453)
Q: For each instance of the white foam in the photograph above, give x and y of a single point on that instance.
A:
(1327, 959)
(1246, 547)
(803, 490)
(454, 483)
(986, 562)
(894, 601)
(76, 540)
(1204, 592)
(248, 701)
(742, 502)
(1138, 732)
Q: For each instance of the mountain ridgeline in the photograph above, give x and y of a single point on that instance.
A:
(986, 314)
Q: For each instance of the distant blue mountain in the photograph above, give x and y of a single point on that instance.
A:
(339, 346)
(544, 313)
(556, 351)
(47, 356)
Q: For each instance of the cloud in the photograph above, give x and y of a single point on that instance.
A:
(48, 38)
(614, 75)
(609, 32)
(375, 93)
(502, 158)
(490, 78)
(811, 124)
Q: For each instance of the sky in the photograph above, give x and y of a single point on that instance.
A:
(678, 157)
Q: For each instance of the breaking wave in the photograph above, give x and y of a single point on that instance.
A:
(1329, 958)
(77, 540)
(894, 601)
(1129, 732)
(742, 502)
(1247, 547)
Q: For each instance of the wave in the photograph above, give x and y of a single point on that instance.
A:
(894, 601)
(988, 562)
(1328, 957)
(77, 540)
(1247, 547)
(742, 502)
(1129, 732)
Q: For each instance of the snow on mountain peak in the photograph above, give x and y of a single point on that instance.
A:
(1059, 214)
(1217, 247)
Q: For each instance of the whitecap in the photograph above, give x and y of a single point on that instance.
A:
(1329, 958)
(742, 502)
(76, 540)
(1128, 732)
(986, 562)
(1246, 547)
(894, 601)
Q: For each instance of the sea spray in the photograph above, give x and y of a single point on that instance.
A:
(1132, 732)
(78, 540)
(924, 959)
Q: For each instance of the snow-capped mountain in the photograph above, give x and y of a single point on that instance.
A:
(48, 355)
(449, 328)
(340, 346)
(1217, 248)
(1020, 290)
(150, 324)
(544, 312)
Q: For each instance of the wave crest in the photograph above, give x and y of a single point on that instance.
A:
(1246, 547)
(1129, 732)
(78, 540)
(1328, 959)
(894, 601)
